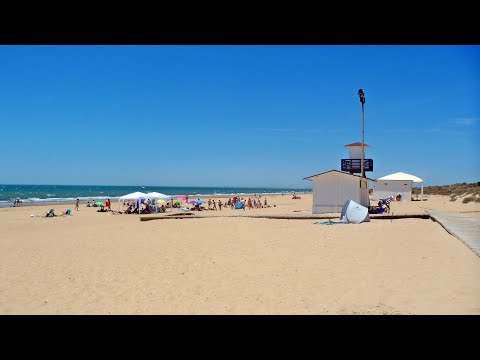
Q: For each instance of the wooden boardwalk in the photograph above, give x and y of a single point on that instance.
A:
(284, 217)
(462, 227)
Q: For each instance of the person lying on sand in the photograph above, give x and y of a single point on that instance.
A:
(50, 213)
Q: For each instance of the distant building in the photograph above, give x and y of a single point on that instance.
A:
(332, 189)
(393, 184)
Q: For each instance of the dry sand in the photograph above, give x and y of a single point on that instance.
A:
(99, 263)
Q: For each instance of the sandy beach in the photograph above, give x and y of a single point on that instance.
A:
(229, 263)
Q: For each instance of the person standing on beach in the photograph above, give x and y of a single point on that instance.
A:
(265, 204)
(209, 202)
(108, 204)
(214, 205)
(220, 204)
(77, 205)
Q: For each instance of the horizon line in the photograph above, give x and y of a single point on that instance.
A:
(218, 186)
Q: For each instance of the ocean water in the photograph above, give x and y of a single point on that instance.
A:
(52, 194)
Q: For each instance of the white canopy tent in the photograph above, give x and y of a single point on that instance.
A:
(159, 196)
(133, 196)
(156, 195)
(401, 176)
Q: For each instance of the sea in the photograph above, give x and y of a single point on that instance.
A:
(58, 194)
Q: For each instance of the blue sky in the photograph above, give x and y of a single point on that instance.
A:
(235, 115)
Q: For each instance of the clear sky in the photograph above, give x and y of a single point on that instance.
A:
(235, 115)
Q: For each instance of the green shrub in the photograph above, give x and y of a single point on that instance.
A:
(468, 199)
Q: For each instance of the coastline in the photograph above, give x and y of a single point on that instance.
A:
(114, 199)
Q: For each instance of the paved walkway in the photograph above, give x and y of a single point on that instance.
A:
(462, 227)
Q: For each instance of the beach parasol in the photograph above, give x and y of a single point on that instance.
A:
(193, 202)
(99, 203)
(201, 201)
(183, 198)
(176, 203)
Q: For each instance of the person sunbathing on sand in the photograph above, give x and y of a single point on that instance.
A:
(50, 213)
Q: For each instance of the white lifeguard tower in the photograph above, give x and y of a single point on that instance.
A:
(333, 188)
(354, 163)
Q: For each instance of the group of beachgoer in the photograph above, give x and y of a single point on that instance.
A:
(103, 208)
(149, 207)
(212, 205)
(250, 203)
(384, 204)
(16, 202)
(135, 207)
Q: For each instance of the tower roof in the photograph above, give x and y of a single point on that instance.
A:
(357, 144)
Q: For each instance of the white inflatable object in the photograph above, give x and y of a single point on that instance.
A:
(354, 213)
